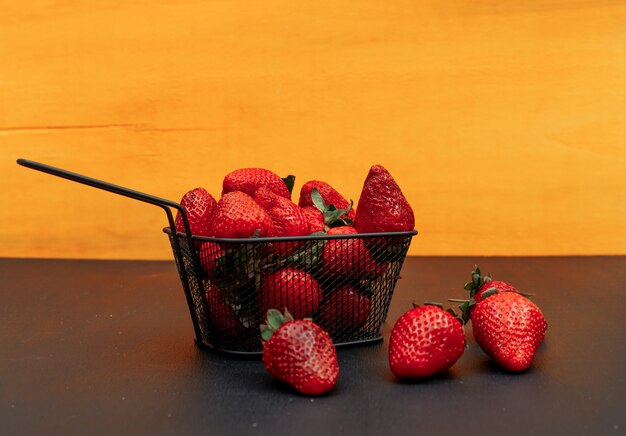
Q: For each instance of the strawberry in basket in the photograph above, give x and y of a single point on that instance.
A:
(239, 216)
(249, 180)
(383, 208)
(347, 259)
(224, 319)
(200, 208)
(290, 288)
(343, 309)
(315, 217)
(287, 218)
(328, 194)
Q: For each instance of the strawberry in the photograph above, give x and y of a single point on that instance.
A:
(200, 208)
(315, 217)
(210, 254)
(343, 309)
(299, 353)
(239, 216)
(287, 217)
(249, 180)
(509, 328)
(346, 259)
(290, 288)
(477, 287)
(287, 220)
(222, 315)
(480, 284)
(328, 194)
(382, 206)
(424, 341)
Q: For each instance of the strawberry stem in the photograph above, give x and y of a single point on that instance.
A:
(290, 180)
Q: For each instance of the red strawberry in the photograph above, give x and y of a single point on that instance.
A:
(315, 217)
(478, 287)
(239, 216)
(346, 259)
(287, 220)
(200, 207)
(328, 193)
(210, 254)
(290, 288)
(249, 180)
(509, 328)
(287, 217)
(299, 353)
(343, 309)
(223, 317)
(424, 341)
(382, 206)
(480, 284)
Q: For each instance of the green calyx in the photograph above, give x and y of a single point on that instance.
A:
(274, 320)
(464, 308)
(332, 215)
(477, 282)
(290, 180)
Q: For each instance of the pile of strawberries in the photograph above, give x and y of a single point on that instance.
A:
(329, 280)
(312, 289)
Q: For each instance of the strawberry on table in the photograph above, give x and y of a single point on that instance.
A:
(290, 288)
(509, 328)
(425, 341)
(249, 180)
(200, 207)
(480, 284)
(382, 205)
(328, 194)
(299, 353)
(238, 216)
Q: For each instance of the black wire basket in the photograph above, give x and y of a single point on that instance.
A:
(344, 282)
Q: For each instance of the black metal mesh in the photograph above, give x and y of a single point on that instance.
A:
(343, 282)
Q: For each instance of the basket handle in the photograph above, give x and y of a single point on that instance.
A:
(116, 189)
(164, 204)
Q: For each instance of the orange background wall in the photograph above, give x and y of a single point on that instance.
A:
(503, 121)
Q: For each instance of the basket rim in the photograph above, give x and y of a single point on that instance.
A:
(260, 240)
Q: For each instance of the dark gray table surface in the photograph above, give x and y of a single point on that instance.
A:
(106, 347)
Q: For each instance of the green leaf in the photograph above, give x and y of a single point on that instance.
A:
(318, 201)
(464, 307)
(489, 292)
(274, 319)
(266, 332)
(290, 180)
(468, 286)
(288, 316)
(433, 303)
(476, 279)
